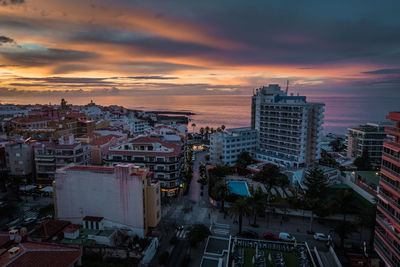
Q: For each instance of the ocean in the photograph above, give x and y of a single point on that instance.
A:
(341, 111)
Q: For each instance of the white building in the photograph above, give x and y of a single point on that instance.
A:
(225, 147)
(124, 196)
(289, 128)
(367, 137)
(138, 126)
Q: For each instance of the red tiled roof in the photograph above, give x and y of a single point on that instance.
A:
(91, 168)
(93, 218)
(103, 140)
(35, 254)
(89, 135)
(49, 228)
(30, 119)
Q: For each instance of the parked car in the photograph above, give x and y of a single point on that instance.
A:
(320, 236)
(270, 236)
(248, 234)
(179, 227)
(286, 237)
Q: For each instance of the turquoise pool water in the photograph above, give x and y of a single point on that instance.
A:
(239, 188)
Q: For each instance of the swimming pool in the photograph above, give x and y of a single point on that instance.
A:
(239, 188)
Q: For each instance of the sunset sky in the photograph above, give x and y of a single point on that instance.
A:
(178, 47)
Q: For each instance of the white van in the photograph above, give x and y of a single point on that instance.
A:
(286, 237)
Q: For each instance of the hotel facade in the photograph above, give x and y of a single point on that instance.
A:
(387, 229)
(289, 128)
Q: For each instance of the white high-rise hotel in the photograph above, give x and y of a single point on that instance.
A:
(289, 128)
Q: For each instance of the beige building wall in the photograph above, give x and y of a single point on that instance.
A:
(153, 204)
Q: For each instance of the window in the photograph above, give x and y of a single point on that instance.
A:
(158, 214)
(158, 201)
(86, 224)
(97, 225)
(17, 154)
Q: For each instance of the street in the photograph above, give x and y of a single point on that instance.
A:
(178, 212)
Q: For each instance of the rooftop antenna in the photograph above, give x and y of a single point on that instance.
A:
(287, 87)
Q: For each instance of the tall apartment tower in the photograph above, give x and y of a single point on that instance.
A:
(289, 128)
(387, 229)
(367, 137)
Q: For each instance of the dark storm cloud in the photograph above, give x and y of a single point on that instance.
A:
(11, 2)
(5, 39)
(40, 57)
(383, 71)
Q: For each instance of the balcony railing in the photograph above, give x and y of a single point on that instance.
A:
(392, 130)
(397, 159)
(389, 213)
(392, 172)
(385, 242)
(390, 199)
(383, 249)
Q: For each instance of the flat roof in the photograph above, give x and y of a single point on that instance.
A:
(369, 176)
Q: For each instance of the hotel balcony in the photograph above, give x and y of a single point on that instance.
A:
(384, 247)
(392, 174)
(396, 159)
(392, 131)
(387, 213)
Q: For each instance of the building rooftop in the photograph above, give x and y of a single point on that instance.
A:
(370, 176)
(37, 254)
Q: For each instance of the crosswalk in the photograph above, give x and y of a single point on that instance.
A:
(181, 234)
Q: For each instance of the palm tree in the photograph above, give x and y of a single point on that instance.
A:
(207, 129)
(270, 175)
(202, 132)
(212, 130)
(257, 202)
(221, 192)
(239, 209)
(223, 127)
(316, 183)
(193, 125)
(344, 204)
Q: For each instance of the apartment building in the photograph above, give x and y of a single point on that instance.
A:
(225, 147)
(367, 137)
(124, 196)
(289, 128)
(163, 158)
(49, 156)
(387, 237)
(19, 158)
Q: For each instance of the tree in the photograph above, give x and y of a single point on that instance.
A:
(242, 161)
(270, 175)
(239, 209)
(344, 204)
(212, 130)
(221, 192)
(193, 125)
(367, 218)
(316, 183)
(202, 132)
(223, 127)
(257, 202)
(197, 234)
(207, 131)
(363, 163)
(337, 145)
